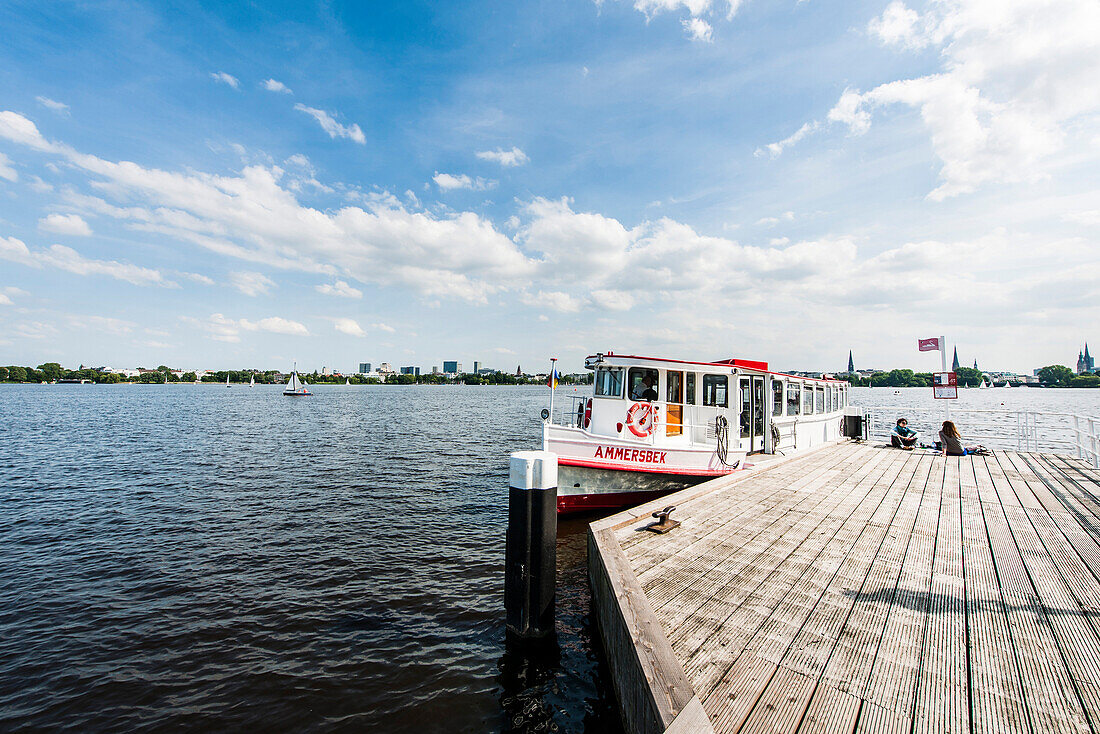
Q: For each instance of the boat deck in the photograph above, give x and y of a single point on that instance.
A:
(861, 589)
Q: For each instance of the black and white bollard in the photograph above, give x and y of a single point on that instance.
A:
(530, 549)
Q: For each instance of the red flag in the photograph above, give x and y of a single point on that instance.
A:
(928, 345)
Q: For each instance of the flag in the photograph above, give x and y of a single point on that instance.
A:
(928, 345)
(552, 382)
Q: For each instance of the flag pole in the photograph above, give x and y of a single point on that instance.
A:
(553, 384)
(943, 360)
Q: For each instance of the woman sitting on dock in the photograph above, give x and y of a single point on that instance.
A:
(952, 441)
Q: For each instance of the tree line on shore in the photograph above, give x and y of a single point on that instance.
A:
(53, 371)
(1055, 375)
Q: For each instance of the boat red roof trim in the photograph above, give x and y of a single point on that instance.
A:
(748, 364)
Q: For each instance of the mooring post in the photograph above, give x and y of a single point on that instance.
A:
(530, 549)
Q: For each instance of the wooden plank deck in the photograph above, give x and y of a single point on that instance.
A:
(861, 589)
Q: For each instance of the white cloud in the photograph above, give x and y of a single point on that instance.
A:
(197, 277)
(331, 126)
(58, 107)
(222, 77)
(276, 325)
(251, 284)
(553, 300)
(384, 327)
(449, 182)
(339, 288)
(65, 258)
(118, 327)
(774, 149)
(899, 25)
(6, 171)
(698, 29)
(506, 158)
(272, 85)
(5, 300)
(651, 8)
(225, 329)
(252, 217)
(349, 327)
(1016, 79)
(70, 224)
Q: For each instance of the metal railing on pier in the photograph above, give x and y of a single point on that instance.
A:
(1022, 430)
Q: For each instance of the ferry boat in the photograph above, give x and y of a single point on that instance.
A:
(652, 426)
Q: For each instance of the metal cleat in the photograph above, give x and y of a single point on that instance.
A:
(663, 524)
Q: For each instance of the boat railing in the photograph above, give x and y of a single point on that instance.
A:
(1022, 430)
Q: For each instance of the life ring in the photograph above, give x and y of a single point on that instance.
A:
(588, 412)
(641, 419)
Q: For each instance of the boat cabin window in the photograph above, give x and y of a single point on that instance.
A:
(820, 392)
(675, 387)
(794, 398)
(777, 397)
(689, 388)
(714, 391)
(808, 400)
(834, 399)
(642, 388)
(609, 382)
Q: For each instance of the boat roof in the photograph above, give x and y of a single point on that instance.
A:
(746, 365)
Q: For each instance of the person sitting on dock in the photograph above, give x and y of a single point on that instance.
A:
(903, 437)
(952, 441)
(644, 389)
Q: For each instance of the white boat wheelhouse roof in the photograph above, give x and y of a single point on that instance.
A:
(726, 366)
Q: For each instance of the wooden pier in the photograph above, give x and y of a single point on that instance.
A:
(860, 589)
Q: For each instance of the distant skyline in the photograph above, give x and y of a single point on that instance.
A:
(333, 183)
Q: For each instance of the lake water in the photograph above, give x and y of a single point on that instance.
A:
(197, 557)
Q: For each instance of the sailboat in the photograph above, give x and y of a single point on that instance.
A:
(347, 380)
(252, 382)
(227, 379)
(295, 386)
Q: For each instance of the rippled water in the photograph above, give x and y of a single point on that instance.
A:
(199, 557)
(209, 558)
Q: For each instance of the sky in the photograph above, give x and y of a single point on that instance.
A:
(251, 185)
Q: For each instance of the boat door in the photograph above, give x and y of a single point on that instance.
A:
(674, 399)
(752, 412)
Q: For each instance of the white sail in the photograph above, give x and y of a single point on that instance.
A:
(295, 383)
(252, 382)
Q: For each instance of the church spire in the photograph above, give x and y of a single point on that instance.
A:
(955, 361)
(851, 364)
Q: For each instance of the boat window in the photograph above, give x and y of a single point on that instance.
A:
(777, 397)
(794, 398)
(637, 382)
(834, 398)
(714, 390)
(675, 390)
(746, 407)
(808, 400)
(609, 382)
(820, 392)
(689, 388)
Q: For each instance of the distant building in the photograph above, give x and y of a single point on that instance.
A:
(435, 370)
(451, 368)
(1085, 361)
(851, 364)
(955, 361)
(385, 369)
(477, 367)
(410, 371)
(519, 371)
(364, 368)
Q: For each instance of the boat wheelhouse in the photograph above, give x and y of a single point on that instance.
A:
(652, 426)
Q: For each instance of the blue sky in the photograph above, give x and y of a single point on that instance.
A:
(505, 182)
